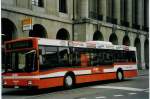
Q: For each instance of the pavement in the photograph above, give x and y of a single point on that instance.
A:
(132, 88)
(143, 72)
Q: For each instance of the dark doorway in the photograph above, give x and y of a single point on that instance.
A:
(98, 36)
(146, 53)
(63, 34)
(38, 31)
(9, 31)
(137, 44)
(126, 41)
(113, 38)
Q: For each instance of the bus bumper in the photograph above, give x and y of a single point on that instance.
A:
(16, 83)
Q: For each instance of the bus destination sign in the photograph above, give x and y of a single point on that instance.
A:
(19, 45)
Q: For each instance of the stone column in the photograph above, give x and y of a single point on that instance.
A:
(102, 8)
(117, 10)
(140, 12)
(129, 12)
(84, 8)
(142, 52)
(147, 15)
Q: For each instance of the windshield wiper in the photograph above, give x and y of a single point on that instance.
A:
(30, 52)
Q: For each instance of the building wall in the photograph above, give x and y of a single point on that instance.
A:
(83, 26)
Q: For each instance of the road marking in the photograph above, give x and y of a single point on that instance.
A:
(82, 98)
(147, 91)
(101, 97)
(131, 93)
(118, 95)
(121, 88)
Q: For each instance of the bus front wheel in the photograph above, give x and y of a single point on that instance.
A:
(120, 76)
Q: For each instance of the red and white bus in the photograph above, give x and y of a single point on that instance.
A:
(44, 63)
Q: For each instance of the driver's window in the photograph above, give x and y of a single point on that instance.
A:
(21, 64)
(41, 55)
(30, 61)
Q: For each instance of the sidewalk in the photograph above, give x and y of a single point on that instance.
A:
(143, 72)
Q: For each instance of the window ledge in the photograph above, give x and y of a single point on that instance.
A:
(65, 15)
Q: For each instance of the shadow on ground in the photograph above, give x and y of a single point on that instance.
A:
(31, 92)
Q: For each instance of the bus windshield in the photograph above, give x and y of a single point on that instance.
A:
(20, 61)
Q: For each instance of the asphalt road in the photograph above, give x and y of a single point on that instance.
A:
(135, 88)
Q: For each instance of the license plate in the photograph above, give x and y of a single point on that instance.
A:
(16, 87)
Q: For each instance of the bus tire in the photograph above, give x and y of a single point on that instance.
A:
(120, 76)
(69, 81)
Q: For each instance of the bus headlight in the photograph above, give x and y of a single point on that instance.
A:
(29, 82)
(5, 83)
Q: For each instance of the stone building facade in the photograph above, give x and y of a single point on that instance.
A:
(123, 22)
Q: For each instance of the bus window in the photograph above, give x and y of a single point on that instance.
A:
(30, 61)
(21, 61)
(100, 58)
(94, 58)
(8, 63)
(84, 59)
(117, 56)
(48, 57)
(131, 56)
(64, 57)
(80, 57)
(76, 57)
(108, 58)
(41, 55)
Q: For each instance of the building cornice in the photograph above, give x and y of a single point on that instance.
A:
(31, 13)
(109, 25)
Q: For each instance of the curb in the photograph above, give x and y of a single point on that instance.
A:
(143, 74)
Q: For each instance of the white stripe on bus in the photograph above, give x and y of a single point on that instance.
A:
(56, 74)
(124, 67)
(82, 72)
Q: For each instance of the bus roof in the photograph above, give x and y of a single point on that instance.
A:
(88, 44)
(52, 42)
(80, 44)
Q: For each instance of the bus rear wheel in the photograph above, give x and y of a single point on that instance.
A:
(120, 76)
(68, 82)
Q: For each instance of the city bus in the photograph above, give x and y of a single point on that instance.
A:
(44, 63)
